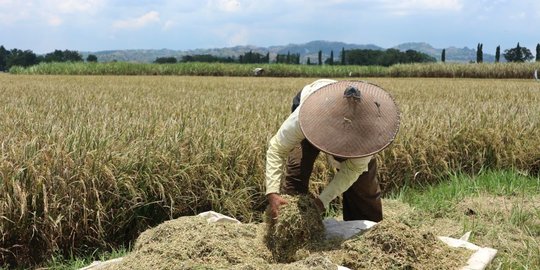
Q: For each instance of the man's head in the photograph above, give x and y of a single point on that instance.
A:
(349, 119)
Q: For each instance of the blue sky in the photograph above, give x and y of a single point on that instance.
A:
(93, 25)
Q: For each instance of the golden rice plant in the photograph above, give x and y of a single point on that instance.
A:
(91, 161)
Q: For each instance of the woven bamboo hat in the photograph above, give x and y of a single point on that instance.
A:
(349, 119)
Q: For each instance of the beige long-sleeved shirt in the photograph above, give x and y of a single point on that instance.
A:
(289, 136)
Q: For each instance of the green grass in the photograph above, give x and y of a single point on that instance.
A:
(500, 208)
(442, 196)
(59, 262)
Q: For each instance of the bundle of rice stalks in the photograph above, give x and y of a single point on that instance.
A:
(299, 223)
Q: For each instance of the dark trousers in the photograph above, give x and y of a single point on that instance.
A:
(362, 201)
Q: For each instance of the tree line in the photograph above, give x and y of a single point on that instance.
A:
(246, 58)
(516, 54)
(347, 57)
(365, 57)
(26, 58)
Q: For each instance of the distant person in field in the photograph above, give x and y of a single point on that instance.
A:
(350, 121)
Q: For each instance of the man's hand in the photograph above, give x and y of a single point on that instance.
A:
(319, 204)
(275, 201)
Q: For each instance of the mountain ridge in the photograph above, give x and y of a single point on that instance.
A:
(309, 49)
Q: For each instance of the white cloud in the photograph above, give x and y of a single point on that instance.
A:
(73, 6)
(168, 25)
(13, 11)
(239, 37)
(225, 5)
(518, 16)
(54, 21)
(139, 22)
(405, 7)
(52, 12)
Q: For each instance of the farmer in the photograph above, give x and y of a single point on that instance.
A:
(350, 121)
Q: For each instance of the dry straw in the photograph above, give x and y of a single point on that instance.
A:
(394, 245)
(298, 223)
(193, 243)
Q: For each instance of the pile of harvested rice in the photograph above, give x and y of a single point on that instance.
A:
(298, 224)
(394, 245)
(193, 243)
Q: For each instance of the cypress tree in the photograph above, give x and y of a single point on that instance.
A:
(343, 55)
(308, 61)
(538, 52)
(479, 53)
(519, 53)
(3, 58)
(250, 57)
(443, 55)
(320, 57)
(498, 54)
(331, 62)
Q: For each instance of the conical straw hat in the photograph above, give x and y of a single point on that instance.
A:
(349, 119)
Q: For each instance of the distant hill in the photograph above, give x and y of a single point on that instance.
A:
(305, 50)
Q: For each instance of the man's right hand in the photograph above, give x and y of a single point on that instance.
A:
(275, 201)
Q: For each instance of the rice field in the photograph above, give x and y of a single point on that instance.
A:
(92, 161)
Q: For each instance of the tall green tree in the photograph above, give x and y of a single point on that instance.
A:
(21, 58)
(4, 54)
(320, 57)
(518, 54)
(63, 56)
(72, 56)
(91, 58)
(343, 56)
(538, 52)
(498, 54)
(308, 62)
(289, 58)
(166, 60)
(208, 58)
(389, 57)
(443, 55)
(248, 57)
(479, 53)
(331, 59)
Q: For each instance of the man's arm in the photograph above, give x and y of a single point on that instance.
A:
(288, 136)
(349, 172)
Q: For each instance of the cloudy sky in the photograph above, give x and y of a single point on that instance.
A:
(93, 25)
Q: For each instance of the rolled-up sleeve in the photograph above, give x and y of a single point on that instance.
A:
(349, 172)
(288, 136)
